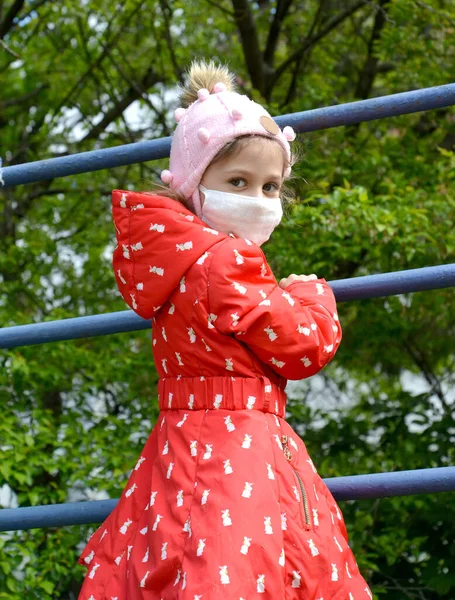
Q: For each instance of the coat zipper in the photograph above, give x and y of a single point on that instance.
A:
(288, 456)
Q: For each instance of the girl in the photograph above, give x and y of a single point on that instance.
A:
(224, 501)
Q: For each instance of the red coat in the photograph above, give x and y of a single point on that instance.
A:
(224, 501)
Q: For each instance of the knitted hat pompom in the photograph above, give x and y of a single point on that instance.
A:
(206, 76)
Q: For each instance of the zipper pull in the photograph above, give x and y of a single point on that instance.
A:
(287, 452)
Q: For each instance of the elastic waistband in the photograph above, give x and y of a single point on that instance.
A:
(221, 393)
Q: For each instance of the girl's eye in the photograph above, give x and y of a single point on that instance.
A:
(271, 184)
(233, 181)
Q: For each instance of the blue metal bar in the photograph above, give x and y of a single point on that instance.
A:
(396, 282)
(397, 483)
(355, 288)
(55, 515)
(371, 109)
(354, 487)
(311, 120)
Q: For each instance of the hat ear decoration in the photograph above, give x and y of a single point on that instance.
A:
(178, 114)
(166, 176)
(289, 133)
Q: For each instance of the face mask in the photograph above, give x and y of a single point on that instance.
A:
(247, 217)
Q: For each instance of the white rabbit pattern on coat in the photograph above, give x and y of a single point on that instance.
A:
(212, 485)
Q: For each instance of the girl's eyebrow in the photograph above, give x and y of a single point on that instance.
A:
(249, 174)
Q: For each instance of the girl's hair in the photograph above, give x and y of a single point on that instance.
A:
(205, 75)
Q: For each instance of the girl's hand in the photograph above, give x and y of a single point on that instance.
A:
(288, 280)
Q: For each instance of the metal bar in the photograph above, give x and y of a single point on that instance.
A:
(397, 483)
(311, 120)
(355, 288)
(72, 329)
(55, 515)
(369, 110)
(354, 487)
(396, 282)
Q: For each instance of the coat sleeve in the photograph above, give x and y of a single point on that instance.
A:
(295, 331)
(129, 272)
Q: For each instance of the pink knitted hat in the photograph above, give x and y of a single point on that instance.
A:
(205, 127)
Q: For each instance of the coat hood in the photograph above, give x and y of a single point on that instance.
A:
(159, 236)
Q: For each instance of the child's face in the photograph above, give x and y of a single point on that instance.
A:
(256, 170)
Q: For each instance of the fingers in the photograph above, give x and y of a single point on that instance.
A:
(293, 277)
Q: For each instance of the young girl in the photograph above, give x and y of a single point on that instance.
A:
(224, 501)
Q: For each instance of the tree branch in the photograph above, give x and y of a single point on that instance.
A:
(149, 79)
(20, 99)
(293, 85)
(105, 50)
(250, 44)
(89, 59)
(167, 14)
(440, 13)
(8, 21)
(142, 94)
(224, 10)
(34, 8)
(8, 49)
(79, 229)
(282, 8)
(431, 378)
(309, 42)
(368, 73)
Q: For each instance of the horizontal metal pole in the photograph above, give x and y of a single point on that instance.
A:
(397, 483)
(310, 120)
(354, 487)
(355, 288)
(372, 109)
(55, 515)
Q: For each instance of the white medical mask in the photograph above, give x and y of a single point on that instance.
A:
(247, 217)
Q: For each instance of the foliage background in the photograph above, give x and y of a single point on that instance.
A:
(375, 197)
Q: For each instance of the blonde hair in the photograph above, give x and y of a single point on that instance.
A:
(204, 74)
